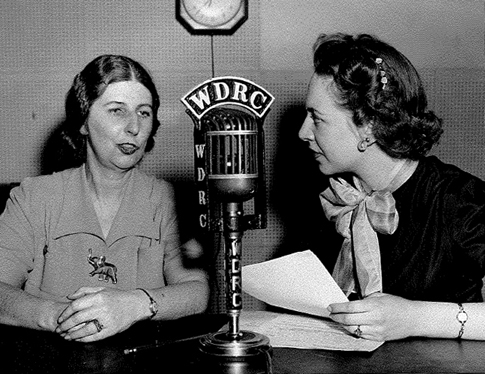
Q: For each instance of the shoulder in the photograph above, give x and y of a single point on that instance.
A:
(44, 187)
(155, 189)
(36, 199)
(444, 194)
(436, 177)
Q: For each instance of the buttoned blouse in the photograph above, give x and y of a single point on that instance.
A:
(50, 236)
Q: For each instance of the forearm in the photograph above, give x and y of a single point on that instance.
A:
(385, 317)
(19, 308)
(178, 300)
(439, 320)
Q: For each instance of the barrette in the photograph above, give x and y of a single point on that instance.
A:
(382, 73)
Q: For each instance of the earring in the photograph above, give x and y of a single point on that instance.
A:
(362, 145)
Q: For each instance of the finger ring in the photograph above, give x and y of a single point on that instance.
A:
(98, 325)
(358, 332)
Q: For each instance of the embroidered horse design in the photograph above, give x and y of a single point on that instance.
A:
(105, 270)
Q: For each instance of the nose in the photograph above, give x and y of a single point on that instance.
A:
(132, 125)
(305, 132)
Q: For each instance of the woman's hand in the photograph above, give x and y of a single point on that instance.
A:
(96, 313)
(379, 317)
(48, 314)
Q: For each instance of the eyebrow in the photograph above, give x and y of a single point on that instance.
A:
(114, 102)
(148, 105)
(315, 111)
(123, 103)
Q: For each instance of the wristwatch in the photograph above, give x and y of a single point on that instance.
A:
(461, 317)
(153, 304)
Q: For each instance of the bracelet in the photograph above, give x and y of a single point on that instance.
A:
(461, 317)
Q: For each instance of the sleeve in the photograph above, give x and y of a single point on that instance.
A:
(466, 205)
(17, 238)
(175, 269)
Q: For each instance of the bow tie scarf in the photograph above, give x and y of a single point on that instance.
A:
(358, 216)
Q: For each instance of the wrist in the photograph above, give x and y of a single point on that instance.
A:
(48, 315)
(420, 319)
(437, 320)
(152, 304)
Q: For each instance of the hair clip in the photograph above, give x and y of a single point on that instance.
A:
(381, 72)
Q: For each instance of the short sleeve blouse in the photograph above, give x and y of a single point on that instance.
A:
(51, 242)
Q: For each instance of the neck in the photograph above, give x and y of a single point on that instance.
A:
(106, 185)
(382, 169)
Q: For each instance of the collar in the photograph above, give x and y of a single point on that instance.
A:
(135, 217)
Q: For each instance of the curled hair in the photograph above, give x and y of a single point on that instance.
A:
(395, 106)
(86, 88)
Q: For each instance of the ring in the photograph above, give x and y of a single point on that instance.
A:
(98, 325)
(358, 332)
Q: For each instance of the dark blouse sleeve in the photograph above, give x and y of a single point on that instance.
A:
(465, 217)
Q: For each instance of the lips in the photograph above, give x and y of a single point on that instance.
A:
(128, 148)
(314, 152)
(317, 156)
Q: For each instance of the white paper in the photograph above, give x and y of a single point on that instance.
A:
(297, 282)
(303, 332)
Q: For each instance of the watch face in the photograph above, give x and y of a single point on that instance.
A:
(462, 316)
(154, 308)
(212, 12)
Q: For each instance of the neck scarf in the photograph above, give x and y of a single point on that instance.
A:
(358, 216)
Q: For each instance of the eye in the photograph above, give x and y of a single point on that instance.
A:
(316, 119)
(116, 111)
(145, 113)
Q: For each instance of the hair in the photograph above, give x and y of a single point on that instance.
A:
(86, 88)
(397, 107)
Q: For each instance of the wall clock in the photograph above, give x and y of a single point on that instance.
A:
(212, 17)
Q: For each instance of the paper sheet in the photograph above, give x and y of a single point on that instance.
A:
(298, 282)
(303, 332)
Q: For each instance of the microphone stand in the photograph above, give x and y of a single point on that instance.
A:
(234, 343)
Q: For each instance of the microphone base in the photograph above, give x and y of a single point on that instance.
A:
(246, 345)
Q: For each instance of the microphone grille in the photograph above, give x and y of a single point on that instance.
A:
(227, 119)
(232, 143)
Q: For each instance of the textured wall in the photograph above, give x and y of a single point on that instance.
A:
(433, 33)
(45, 43)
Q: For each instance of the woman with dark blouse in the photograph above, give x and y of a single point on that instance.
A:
(413, 252)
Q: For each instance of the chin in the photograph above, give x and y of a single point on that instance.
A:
(130, 163)
(326, 169)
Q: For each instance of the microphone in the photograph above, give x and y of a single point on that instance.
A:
(228, 113)
(234, 161)
(233, 154)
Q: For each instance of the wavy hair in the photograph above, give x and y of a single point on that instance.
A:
(396, 107)
(86, 88)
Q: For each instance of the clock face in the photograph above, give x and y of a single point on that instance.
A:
(212, 12)
(212, 16)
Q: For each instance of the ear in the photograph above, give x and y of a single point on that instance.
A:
(367, 132)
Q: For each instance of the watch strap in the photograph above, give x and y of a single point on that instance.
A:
(153, 304)
(461, 317)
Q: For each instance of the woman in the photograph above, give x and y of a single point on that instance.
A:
(91, 250)
(413, 252)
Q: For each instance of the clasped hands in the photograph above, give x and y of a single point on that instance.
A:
(95, 313)
(379, 317)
